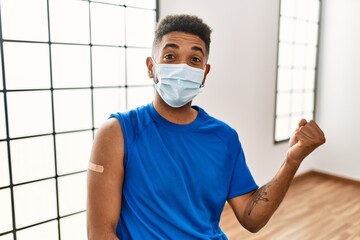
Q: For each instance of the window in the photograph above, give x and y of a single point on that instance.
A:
(297, 59)
(65, 66)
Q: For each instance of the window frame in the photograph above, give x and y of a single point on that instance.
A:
(54, 133)
(291, 91)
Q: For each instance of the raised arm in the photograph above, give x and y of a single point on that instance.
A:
(253, 210)
(105, 180)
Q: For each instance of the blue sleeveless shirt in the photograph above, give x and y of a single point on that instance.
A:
(178, 177)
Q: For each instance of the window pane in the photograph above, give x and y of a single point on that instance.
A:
(285, 54)
(138, 96)
(30, 208)
(282, 128)
(294, 122)
(73, 151)
(72, 110)
(308, 115)
(312, 34)
(284, 79)
(297, 101)
(70, 65)
(313, 10)
(299, 55)
(29, 107)
(298, 79)
(44, 231)
(150, 4)
(107, 101)
(283, 103)
(140, 33)
(310, 79)
(300, 33)
(2, 118)
(311, 57)
(26, 65)
(137, 70)
(302, 9)
(69, 21)
(287, 29)
(7, 237)
(5, 209)
(32, 158)
(72, 193)
(108, 66)
(107, 24)
(4, 166)
(20, 23)
(73, 227)
(288, 7)
(309, 102)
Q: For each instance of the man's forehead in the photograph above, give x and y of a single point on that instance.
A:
(181, 39)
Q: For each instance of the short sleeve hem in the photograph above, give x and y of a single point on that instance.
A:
(243, 191)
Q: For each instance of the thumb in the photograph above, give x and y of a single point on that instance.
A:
(302, 122)
(293, 139)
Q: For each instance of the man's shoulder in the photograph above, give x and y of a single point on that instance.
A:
(134, 120)
(217, 125)
(134, 115)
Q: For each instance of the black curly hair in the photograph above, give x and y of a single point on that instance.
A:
(183, 23)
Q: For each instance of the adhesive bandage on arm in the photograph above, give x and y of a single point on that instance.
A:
(96, 168)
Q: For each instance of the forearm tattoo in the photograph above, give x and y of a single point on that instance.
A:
(259, 195)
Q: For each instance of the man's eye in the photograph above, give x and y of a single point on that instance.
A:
(196, 59)
(169, 56)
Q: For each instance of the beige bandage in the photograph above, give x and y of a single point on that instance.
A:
(96, 168)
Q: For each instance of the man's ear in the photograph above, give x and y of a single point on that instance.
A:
(150, 65)
(207, 70)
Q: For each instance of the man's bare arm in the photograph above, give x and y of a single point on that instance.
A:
(254, 209)
(105, 180)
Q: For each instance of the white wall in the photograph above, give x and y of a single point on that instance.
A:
(240, 88)
(338, 108)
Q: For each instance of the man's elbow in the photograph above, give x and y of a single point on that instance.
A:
(254, 227)
(100, 234)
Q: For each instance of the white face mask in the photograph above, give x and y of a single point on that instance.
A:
(178, 84)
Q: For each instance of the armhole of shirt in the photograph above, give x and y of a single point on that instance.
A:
(124, 128)
(242, 181)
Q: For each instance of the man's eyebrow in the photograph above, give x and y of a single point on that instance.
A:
(196, 48)
(175, 46)
(170, 45)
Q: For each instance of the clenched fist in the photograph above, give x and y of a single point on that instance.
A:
(306, 138)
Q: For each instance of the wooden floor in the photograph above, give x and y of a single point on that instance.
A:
(317, 207)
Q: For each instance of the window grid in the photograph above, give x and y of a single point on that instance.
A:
(299, 27)
(10, 139)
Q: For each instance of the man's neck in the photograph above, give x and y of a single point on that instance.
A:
(182, 115)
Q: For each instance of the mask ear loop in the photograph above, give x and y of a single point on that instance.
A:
(153, 60)
(202, 83)
(153, 76)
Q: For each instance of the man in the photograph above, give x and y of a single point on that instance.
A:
(166, 171)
